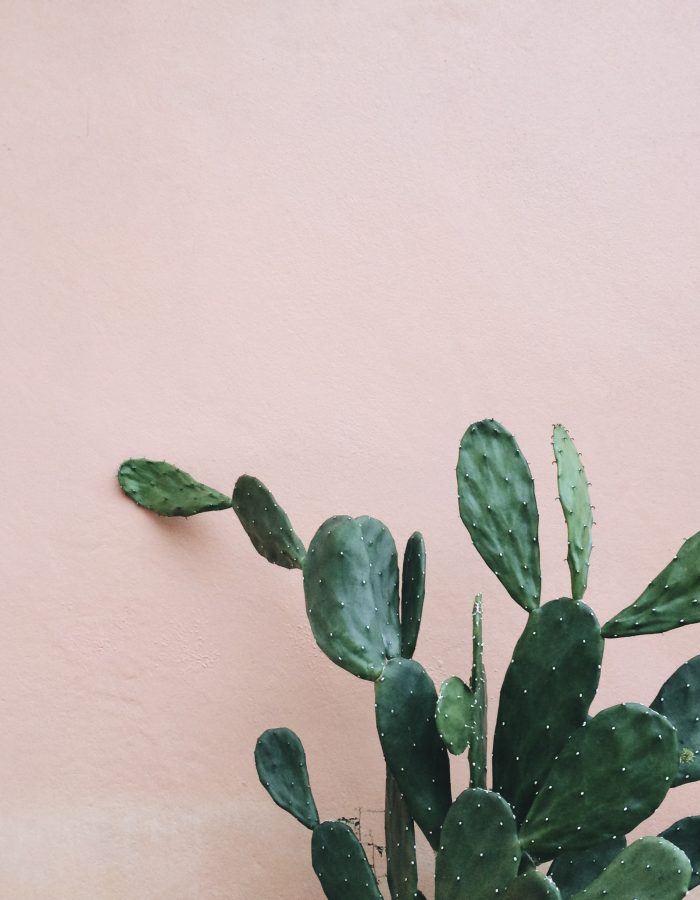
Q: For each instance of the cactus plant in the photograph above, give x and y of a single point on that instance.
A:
(567, 786)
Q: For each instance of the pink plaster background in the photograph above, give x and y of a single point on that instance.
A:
(313, 241)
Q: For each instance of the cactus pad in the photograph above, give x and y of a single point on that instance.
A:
(412, 593)
(532, 886)
(679, 701)
(266, 523)
(576, 504)
(454, 714)
(281, 764)
(167, 490)
(477, 746)
(341, 865)
(575, 870)
(401, 870)
(546, 693)
(351, 584)
(498, 507)
(685, 834)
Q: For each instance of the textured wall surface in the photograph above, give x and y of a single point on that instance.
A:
(313, 241)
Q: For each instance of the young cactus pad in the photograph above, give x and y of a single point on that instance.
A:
(454, 714)
(477, 747)
(576, 504)
(679, 701)
(498, 507)
(532, 886)
(167, 490)
(341, 864)
(575, 870)
(266, 524)
(412, 593)
(281, 764)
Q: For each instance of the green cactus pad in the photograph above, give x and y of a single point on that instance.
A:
(351, 585)
(497, 504)
(575, 870)
(685, 834)
(479, 850)
(454, 714)
(266, 524)
(546, 693)
(576, 504)
(281, 764)
(405, 712)
(679, 701)
(477, 746)
(412, 593)
(167, 490)
(612, 773)
(532, 886)
(341, 865)
(649, 869)
(401, 870)
(671, 600)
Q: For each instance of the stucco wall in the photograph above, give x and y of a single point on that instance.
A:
(312, 241)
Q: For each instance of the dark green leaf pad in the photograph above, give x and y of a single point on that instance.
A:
(454, 714)
(479, 850)
(412, 593)
(613, 772)
(281, 764)
(401, 870)
(341, 865)
(671, 600)
(167, 490)
(267, 524)
(405, 711)
(576, 869)
(477, 746)
(685, 834)
(351, 585)
(497, 504)
(532, 886)
(679, 701)
(649, 869)
(576, 504)
(557, 659)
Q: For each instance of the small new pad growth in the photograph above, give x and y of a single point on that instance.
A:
(166, 490)
(576, 504)
(281, 764)
(532, 886)
(679, 701)
(576, 869)
(454, 714)
(412, 593)
(341, 865)
(266, 524)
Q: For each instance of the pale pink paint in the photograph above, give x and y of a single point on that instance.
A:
(313, 241)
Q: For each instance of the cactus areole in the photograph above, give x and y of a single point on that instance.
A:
(562, 786)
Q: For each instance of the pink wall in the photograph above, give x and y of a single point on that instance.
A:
(313, 241)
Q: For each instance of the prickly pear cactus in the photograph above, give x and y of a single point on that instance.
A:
(167, 490)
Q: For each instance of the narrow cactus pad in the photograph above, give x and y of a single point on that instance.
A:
(167, 490)
(497, 504)
(405, 712)
(613, 772)
(576, 869)
(649, 869)
(351, 584)
(412, 593)
(679, 701)
(281, 764)
(401, 870)
(341, 865)
(685, 834)
(576, 504)
(671, 600)
(454, 714)
(477, 746)
(546, 693)
(267, 524)
(479, 850)
(532, 886)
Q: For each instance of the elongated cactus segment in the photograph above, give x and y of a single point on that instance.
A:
(546, 693)
(679, 701)
(576, 504)
(167, 490)
(351, 585)
(532, 886)
(576, 869)
(454, 714)
(412, 593)
(405, 712)
(479, 850)
(649, 869)
(671, 600)
(497, 504)
(477, 746)
(685, 834)
(281, 764)
(612, 773)
(266, 524)
(341, 865)
(401, 870)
